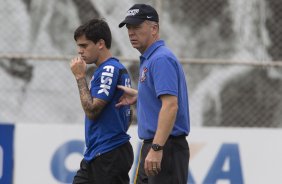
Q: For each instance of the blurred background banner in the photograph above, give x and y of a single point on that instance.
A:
(218, 155)
(231, 51)
(6, 153)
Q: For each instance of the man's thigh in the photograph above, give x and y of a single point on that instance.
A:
(174, 163)
(82, 175)
(112, 167)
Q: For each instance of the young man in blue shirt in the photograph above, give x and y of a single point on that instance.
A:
(162, 102)
(109, 154)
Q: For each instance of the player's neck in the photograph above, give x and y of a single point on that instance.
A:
(104, 56)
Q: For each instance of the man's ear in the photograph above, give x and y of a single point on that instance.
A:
(101, 43)
(155, 29)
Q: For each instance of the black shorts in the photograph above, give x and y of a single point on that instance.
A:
(174, 164)
(109, 168)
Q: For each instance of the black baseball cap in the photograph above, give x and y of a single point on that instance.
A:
(138, 13)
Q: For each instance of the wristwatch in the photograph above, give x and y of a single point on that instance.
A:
(157, 147)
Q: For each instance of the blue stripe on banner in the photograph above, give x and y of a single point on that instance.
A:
(6, 153)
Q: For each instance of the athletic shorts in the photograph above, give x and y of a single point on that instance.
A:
(174, 164)
(109, 168)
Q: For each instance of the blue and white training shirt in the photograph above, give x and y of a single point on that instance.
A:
(108, 131)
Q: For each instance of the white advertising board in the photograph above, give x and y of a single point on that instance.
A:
(236, 155)
(52, 153)
(35, 146)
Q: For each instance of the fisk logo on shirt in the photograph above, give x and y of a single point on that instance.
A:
(106, 80)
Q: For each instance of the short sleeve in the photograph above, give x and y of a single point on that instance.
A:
(105, 83)
(165, 77)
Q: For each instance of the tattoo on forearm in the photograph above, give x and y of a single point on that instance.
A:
(87, 102)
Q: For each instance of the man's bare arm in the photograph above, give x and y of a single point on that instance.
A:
(166, 120)
(91, 106)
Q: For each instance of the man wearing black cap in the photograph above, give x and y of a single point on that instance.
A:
(162, 102)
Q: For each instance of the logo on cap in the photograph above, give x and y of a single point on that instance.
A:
(132, 12)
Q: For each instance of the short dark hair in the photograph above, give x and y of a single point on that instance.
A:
(94, 30)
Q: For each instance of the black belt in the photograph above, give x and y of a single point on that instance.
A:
(170, 137)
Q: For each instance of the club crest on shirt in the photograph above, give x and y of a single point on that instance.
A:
(143, 74)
